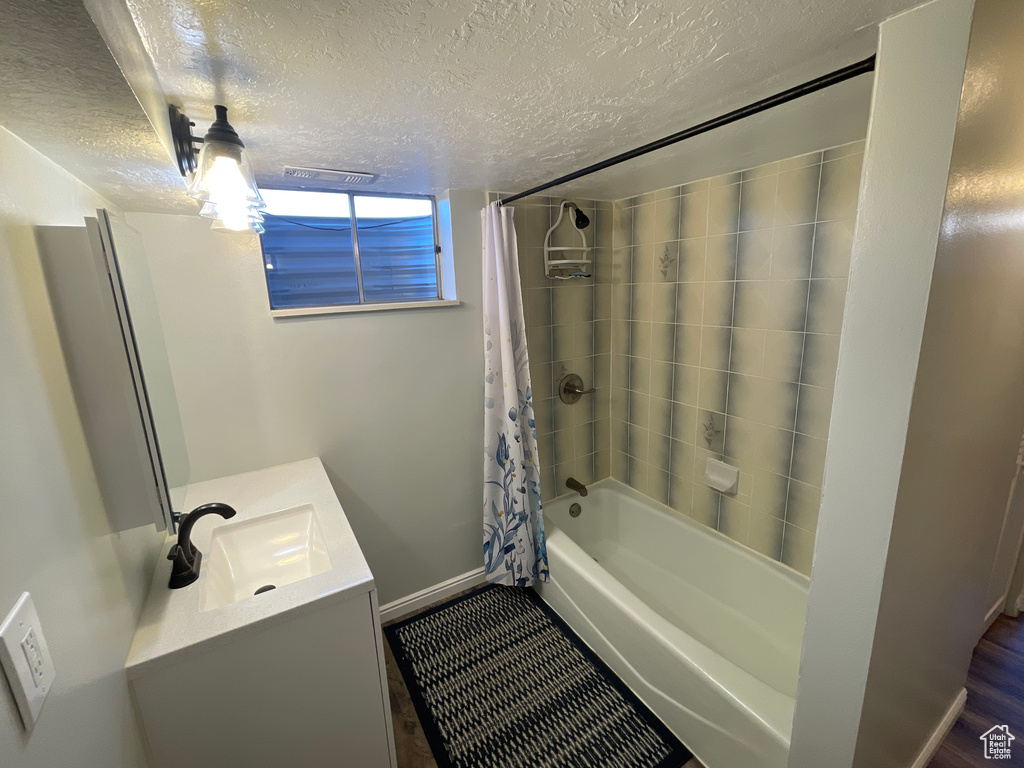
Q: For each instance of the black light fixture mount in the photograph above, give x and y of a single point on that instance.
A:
(185, 151)
(220, 175)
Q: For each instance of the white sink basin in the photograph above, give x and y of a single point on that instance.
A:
(270, 551)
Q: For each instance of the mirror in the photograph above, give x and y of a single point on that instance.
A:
(152, 352)
(118, 366)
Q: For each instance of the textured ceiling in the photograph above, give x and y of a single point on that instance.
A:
(828, 118)
(61, 92)
(479, 93)
(429, 94)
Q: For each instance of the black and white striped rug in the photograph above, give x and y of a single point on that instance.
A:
(499, 681)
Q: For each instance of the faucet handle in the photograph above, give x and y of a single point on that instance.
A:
(186, 558)
(190, 555)
(570, 389)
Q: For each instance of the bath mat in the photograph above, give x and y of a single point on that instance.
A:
(500, 681)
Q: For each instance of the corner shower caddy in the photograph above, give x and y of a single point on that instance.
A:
(563, 266)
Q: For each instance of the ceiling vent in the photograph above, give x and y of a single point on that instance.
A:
(326, 176)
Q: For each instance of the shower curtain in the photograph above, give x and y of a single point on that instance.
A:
(514, 549)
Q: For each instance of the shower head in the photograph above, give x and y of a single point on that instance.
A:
(582, 220)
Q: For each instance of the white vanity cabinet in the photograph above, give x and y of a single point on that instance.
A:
(289, 677)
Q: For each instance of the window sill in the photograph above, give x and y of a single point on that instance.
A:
(338, 310)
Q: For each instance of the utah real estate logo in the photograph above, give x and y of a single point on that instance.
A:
(997, 742)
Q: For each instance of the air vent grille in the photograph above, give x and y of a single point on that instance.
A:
(327, 176)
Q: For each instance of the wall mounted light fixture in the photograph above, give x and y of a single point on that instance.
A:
(220, 174)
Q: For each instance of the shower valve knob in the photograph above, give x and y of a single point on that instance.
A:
(570, 389)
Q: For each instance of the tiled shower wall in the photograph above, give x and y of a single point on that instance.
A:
(727, 302)
(568, 328)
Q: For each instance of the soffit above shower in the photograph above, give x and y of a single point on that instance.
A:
(829, 118)
(475, 94)
(62, 93)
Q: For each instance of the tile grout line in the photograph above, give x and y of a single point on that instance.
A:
(803, 348)
(672, 371)
(700, 349)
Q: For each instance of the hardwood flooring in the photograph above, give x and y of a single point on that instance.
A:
(995, 696)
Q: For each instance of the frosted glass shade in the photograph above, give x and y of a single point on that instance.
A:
(233, 218)
(224, 177)
(238, 225)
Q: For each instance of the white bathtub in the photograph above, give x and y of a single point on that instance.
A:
(705, 631)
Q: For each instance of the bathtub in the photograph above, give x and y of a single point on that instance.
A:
(705, 631)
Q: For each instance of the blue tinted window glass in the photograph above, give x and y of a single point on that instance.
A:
(309, 253)
(309, 261)
(396, 248)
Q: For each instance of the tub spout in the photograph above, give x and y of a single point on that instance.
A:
(575, 485)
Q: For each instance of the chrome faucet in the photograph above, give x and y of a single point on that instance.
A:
(186, 558)
(575, 485)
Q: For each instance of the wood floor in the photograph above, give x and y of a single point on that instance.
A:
(995, 696)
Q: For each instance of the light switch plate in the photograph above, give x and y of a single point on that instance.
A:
(26, 659)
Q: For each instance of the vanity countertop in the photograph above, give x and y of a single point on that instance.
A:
(172, 624)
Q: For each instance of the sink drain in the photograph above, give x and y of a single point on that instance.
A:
(263, 589)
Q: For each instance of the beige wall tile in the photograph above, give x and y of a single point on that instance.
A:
(721, 298)
(798, 549)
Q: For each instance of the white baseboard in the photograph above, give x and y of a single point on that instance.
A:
(941, 730)
(993, 613)
(413, 602)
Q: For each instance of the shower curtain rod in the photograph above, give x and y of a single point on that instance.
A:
(817, 84)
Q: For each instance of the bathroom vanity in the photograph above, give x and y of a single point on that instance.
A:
(294, 675)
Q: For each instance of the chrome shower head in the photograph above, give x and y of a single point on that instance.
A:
(582, 220)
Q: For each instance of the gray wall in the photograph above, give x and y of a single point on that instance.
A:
(87, 582)
(891, 583)
(967, 412)
(391, 401)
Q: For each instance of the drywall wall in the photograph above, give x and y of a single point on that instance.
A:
(391, 401)
(906, 162)
(1001, 595)
(1015, 595)
(87, 583)
(967, 412)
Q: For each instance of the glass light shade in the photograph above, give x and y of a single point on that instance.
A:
(224, 177)
(238, 225)
(234, 218)
(214, 211)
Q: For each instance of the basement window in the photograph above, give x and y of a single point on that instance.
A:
(349, 252)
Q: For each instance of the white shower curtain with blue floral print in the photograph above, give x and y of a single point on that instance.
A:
(514, 549)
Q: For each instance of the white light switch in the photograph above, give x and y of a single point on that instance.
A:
(25, 659)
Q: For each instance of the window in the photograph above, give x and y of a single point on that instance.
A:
(341, 251)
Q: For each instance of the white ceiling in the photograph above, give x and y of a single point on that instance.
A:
(827, 118)
(435, 94)
(61, 92)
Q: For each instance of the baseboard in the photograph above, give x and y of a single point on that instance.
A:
(941, 730)
(993, 613)
(417, 600)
